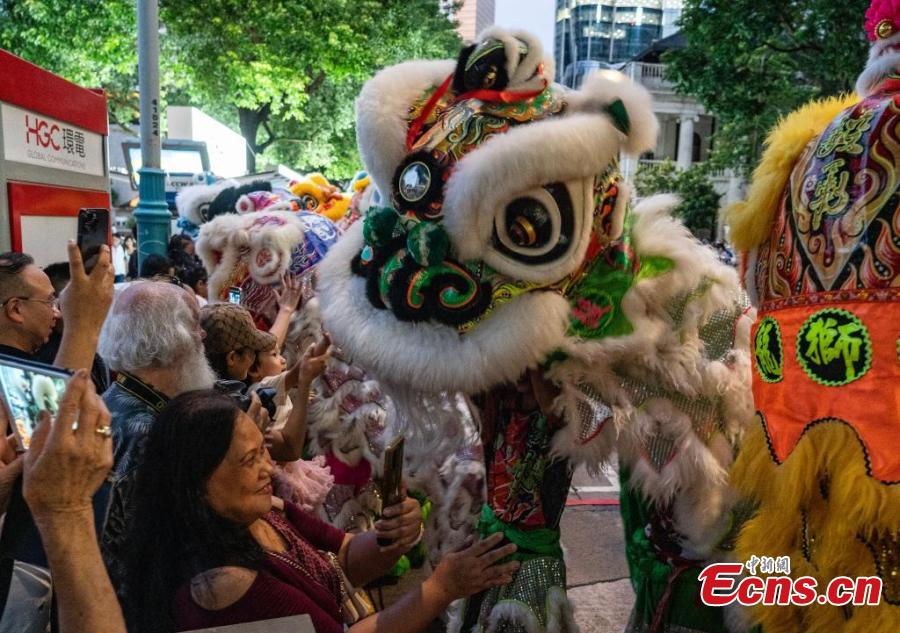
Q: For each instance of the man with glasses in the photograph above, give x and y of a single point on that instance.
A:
(29, 307)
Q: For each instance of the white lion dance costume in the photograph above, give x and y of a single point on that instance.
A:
(506, 260)
(821, 232)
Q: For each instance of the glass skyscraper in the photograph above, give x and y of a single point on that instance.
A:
(594, 34)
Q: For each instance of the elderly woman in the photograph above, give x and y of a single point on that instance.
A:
(209, 546)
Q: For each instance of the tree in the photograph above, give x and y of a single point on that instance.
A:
(283, 72)
(89, 43)
(699, 206)
(751, 62)
(280, 63)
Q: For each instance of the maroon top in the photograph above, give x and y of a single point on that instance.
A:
(295, 582)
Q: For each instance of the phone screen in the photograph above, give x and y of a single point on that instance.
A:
(27, 389)
(234, 295)
(93, 232)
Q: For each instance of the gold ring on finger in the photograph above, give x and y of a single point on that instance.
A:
(105, 431)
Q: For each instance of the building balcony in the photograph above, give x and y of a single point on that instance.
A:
(651, 76)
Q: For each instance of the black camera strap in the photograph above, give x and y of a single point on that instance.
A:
(142, 391)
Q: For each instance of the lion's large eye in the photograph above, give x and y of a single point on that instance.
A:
(308, 202)
(203, 211)
(537, 226)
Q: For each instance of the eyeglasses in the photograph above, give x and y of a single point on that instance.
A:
(53, 302)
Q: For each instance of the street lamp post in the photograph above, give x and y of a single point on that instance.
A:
(152, 213)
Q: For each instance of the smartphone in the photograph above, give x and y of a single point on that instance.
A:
(93, 232)
(392, 477)
(235, 294)
(27, 389)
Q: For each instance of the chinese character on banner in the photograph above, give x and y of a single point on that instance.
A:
(79, 143)
(752, 564)
(783, 565)
(68, 140)
(767, 565)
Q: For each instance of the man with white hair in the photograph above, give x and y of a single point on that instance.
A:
(153, 340)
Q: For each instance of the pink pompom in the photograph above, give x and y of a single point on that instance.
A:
(883, 19)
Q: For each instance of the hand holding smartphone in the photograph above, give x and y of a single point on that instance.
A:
(93, 232)
(392, 479)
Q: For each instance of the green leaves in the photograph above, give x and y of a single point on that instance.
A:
(90, 43)
(699, 199)
(751, 62)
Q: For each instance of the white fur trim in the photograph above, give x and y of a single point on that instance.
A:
(381, 111)
(655, 347)
(514, 613)
(617, 223)
(218, 246)
(560, 149)
(428, 356)
(222, 240)
(568, 442)
(454, 615)
(658, 416)
(672, 357)
(560, 612)
(189, 199)
(737, 618)
(883, 60)
(603, 87)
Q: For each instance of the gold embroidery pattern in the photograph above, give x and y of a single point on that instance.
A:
(846, 136)
(830, 196)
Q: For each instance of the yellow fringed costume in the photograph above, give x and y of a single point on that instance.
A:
(820, 233)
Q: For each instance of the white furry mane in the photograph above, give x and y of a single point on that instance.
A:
(883, 60)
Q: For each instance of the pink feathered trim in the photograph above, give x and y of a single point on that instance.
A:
(304, 483)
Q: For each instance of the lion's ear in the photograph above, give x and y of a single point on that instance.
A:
(382, 113)
(627, 104)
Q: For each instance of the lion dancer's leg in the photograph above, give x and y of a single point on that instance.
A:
(527, 490)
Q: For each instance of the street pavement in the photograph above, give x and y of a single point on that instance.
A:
(593, 544)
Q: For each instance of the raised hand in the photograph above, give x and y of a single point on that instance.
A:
(84, 304)
(290, 294)
(402, 524)
(67, 460)
(313, 361)
(86, 299)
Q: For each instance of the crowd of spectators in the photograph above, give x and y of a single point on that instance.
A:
(149, 497)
